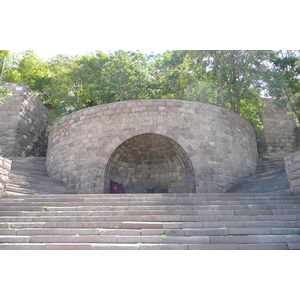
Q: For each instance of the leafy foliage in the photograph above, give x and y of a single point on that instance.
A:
(233, 79)
(284, 79)
(4, 56)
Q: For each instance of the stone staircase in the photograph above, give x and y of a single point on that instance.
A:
(151, 221)
(28, 175)
(270, 177)
(38, 212)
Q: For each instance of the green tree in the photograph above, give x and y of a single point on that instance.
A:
(203, 91)
(125, 75)
(284, 79)
(3, 93)
(29, 68)
(62, 92)
(97, 78)
(89, 74)
(238, 75)
(170, 75)
(233, 79)
(4, 56)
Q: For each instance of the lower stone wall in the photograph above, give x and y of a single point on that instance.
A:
(151, 146)
(5, 165)
(292, 164)
(31, 132)
(279, 133)
(23, 122)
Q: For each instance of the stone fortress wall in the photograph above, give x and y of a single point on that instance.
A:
(23, 123)
(292, 165)
(279, 135)
(145, 146)
(5, 166)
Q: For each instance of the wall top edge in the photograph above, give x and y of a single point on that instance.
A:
(156, 102)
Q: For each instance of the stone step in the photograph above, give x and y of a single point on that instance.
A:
(125, 239)
(270, 176)
(33, 189)
(28, 175)
(57, 200)
(20, 216)
(29, 181)
(147, 224)
(167, 197)
(144, 246)
(25, 163)
(152, 201)
(154, 221)
(19, 190)
(234, 228)
(71, 231)
(149, 209)
(116, 210)
(231, 210)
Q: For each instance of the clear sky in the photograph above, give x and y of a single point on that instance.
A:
(73, 28)
(49, 53)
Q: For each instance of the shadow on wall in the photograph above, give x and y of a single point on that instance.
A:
(149, 163)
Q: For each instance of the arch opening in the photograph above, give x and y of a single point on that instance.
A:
(149, 163)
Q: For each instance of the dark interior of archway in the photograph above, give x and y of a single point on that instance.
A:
(149, 163)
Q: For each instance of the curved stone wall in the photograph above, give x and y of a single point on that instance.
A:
(147, 146)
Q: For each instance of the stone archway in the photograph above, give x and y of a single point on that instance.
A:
(149, 163)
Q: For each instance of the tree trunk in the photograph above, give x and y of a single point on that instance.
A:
(221, 89)
(2, 70)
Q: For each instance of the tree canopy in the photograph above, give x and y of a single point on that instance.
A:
(233, 79)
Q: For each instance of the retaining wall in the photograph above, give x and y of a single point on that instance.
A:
(5, 166)
(146, 146)
(292, 165)
(23, 123)
(279, 135)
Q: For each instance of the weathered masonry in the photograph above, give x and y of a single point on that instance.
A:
(23, 123)
(280, 132)
(151, 146)
(292, 165)
(5, 165)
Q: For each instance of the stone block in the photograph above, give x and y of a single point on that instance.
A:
(51, 239)
(115, 246)
(163, 247)
(186, 240)
(233, 239)
(22, 246)
(251, 230)
(95, 239)
(14, 239)
(213, 247)
(264, 224)
(206, 231)
(55, 246)
(140, 239)
(293, 246)
(263, 247)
